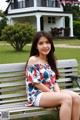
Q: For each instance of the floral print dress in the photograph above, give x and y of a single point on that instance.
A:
(38, 73)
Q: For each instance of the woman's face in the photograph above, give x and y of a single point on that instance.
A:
(43, 46)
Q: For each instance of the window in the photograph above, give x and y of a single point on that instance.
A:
(51, 3)
(51, 19)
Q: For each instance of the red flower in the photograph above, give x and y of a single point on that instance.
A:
(30, 79)
(33, 92)
(41, 76)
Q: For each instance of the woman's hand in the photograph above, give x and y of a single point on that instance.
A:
(42, 87)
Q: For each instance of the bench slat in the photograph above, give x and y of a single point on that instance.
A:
(74, 89)
(12, 79)
(12, 101)
(11, 84)
(65, 84)
(20, 88)
(66, 75)
(68, 70)
(67, 63)
(64, 80)
(11, 75)
(12, 67)
(12, 105)
(12, 95)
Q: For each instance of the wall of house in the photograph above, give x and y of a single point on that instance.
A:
(59, 22)
(30, 19)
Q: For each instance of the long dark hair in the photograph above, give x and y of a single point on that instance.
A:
(50, 57)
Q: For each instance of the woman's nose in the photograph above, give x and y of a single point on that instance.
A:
(45, 45)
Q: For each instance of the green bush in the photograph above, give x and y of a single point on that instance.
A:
(18, 35)
(3, 22)
(76, 28)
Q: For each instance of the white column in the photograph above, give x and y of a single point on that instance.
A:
(11, 22)
(38, 21)
(71, 25)
(35, 3)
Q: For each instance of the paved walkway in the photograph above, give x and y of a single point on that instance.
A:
(56, 45)
(66, 46)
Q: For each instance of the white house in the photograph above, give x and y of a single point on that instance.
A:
(42, 14)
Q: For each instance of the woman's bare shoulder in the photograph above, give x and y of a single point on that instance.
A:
(32, 60)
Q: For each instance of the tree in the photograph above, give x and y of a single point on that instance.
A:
(74, 9)
(76, 27)
(3, 21)
(18, 35)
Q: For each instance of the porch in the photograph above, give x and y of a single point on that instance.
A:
(46, 20)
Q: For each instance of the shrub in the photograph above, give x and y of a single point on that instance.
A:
(18, 35)
(3, 22)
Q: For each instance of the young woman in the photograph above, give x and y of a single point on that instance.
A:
(41, 75)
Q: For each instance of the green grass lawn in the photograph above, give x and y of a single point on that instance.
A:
(75, 42)
(9, 55)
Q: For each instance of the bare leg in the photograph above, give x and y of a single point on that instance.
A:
(75, 104)
(52, 99)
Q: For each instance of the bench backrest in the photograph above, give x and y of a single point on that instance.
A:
(12, 79)
(67, 68)
(12, 83)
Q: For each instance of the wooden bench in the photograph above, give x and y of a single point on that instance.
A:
(13, 89)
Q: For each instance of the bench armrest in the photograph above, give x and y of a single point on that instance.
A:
(75, 78)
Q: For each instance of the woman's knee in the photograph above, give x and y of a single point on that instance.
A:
(68, 99)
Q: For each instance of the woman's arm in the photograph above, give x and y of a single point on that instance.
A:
(56, 88)
(42, 87)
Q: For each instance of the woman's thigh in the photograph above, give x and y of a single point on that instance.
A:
(52, 99)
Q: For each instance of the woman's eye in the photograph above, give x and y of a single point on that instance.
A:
(40, 43)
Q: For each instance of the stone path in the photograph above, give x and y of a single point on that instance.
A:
(66, 46)
(56, 45)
